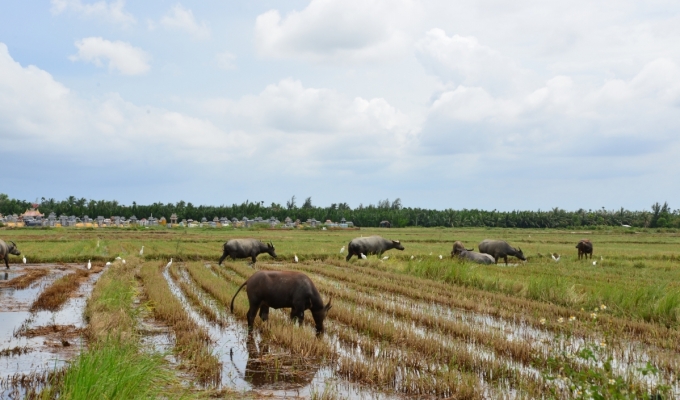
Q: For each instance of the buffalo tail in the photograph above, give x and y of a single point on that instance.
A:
(233, 298)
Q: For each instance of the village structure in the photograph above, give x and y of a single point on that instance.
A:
(34, 218)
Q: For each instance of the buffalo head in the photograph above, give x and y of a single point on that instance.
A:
(270, 249)
(320, 315)
(519, 254)
(397, 245)
(13, 249)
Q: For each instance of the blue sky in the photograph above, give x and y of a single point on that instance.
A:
(490, 104)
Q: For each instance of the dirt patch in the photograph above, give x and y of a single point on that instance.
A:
(15, 351)
(63, 331)
(25, 280)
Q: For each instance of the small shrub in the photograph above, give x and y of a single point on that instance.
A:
(639, 265)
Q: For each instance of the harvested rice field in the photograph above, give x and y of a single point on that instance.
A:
(415, 323)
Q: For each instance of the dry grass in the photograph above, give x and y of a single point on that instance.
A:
(192, 342)
(25, 280)
(61, 290)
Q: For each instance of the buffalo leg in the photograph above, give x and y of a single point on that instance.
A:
(252, 312)
(506, 260)
(7, 262)
(297, 313)
(349, 255)
(264, 313)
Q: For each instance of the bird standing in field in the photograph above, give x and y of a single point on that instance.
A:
(89, 264)
(123, 261)
(295, 258)
(594, 262)
(440, 256)
(556, 257)
(141, 252)
(24, 259)
(169, 264)
(108, 263)
(342, 250)
(363, 256)
(118, 258)
(385, 258)
(412, 257)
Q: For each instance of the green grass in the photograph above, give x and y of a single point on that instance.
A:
(114, 370)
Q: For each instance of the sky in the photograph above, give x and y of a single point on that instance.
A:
(520, 105)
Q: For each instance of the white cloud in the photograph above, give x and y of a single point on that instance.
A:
(225, 60)
(180, 18)
(338, 30)
(121, 56)
(113, 11)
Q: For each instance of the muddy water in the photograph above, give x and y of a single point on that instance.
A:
(49, 338)
(248, 364)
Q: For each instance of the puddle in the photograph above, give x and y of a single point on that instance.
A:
(49, 338)
(249, 364)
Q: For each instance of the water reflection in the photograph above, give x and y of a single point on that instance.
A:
(267, 368)
(4, 278)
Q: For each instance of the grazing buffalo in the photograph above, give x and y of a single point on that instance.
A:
(244, 248)
(585, 247)
(6, 250)
(283, 289)
(473, 256)
(458, 247)
(500, 249)
(385, 224)
(371, 245)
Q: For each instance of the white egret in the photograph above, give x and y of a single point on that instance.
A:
(24, 259)
(625, 226)
(601, 259)
(295, 258)
(108, 263)
(556, 257)
(169, 264)
(440, 256)
(141, 252)
(97, 243)
(385, 258)
(342, 250)
(594, 262)
(363, 256)
(411, 257)
(118, 258)
(89, 264)
(123, 261)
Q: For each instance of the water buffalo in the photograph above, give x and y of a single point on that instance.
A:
(458, 247)
(500, 249)
(244, 248)
(479, 258)
(371, 245)
(283, 289)
(385, 224)
(6, 250)
(585, 247)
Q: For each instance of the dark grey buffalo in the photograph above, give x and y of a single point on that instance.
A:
(371, 245)
(585, 247)
(458, 247)
(283, 289)
(385, 224)
(6, 250)
(479, 258)
(244, 248)
(500, 249)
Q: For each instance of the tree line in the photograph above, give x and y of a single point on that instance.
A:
(659, 216)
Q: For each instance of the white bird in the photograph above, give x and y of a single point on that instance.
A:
(556, 258)
(24, 259)
(141, 252)
(89, 264)
(363, 256)
(440, 256)
(601, 259)
(169, 264)
(97, 243)
(625, 226)
(296, 259)
(411, 257)
(118, 258)
(108, 263)
(123, 261)
(385, 258)
(594, 262)
(342, 250)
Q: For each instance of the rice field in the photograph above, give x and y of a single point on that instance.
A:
(407, 324)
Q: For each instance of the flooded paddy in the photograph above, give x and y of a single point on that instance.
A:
(33, 343)
(398, 328)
